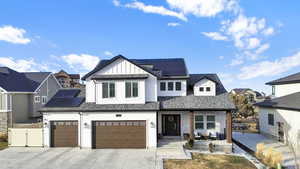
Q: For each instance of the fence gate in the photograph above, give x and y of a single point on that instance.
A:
(25, 137)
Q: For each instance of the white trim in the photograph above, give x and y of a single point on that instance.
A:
(36, 90)
(3, 90)
(45, 100)
(39, 100)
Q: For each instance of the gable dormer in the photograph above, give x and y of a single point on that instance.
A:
(205, 87)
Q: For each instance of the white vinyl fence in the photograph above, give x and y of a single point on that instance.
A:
(25, 137)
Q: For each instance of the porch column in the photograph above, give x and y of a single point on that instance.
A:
(228, 126)
(192, 124)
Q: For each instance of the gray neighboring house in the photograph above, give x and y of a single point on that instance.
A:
(22, 94)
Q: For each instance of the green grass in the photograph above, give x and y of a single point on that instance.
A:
(3, 145)
(210, 161)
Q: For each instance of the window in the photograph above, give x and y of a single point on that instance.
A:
(201, 89)
(199, 122)
(170, 86)
(211, 122)
(37, 99)
(271, 119)
(44, 99)
(131, 89)
(208, 89)
(273, 90)
(108, 90)
(178, 86)
(162, 86)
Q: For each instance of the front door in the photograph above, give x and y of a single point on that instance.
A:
(280, 132)
(171, 125)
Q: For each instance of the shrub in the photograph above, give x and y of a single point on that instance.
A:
(210, 147)
(259, 151)
(271, 158)
(189, 144)
(3, 137)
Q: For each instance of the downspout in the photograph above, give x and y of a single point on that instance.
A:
(80, 130)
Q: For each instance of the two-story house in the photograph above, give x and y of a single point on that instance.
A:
(279, 117)
(22, 94)
(129, 103)
(67, 80)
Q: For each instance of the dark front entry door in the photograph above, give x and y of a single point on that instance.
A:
(171, 125)
(280, 132)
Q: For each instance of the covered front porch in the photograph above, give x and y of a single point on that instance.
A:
(198, 124)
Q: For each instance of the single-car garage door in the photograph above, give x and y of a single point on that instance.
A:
(119, 134)
(64, 134)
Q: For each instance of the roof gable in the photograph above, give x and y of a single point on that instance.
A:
(194, 78)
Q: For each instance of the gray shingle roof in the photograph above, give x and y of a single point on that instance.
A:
(294, 78)
(190, 102)
(162, 68)
(194, 78)
(290, 102)
(13, 81)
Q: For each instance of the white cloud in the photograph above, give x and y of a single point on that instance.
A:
(155, 10)
(173, 24)
(116, 2)
(203, 8)
(82, 62)
(269, 31)
(108, 53)
(226, 78)
(221, 57)
(24, 65)
(235, 62)
(262, 48)
(253, 43)
(13, 35)
(215, 35)
(269, 68)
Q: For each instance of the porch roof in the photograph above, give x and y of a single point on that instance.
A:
(190, 102)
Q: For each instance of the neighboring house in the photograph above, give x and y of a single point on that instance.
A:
(68, 80)
(279, 117)
(22, 94)
(252, 95)
(129, 103)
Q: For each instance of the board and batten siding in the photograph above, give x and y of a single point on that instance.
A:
(147, 87)
(205, 83)
(286, 89)
(290, 119)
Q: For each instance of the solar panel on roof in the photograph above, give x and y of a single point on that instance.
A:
(69, 93)
(65, 102)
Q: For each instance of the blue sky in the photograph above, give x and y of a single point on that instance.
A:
(246, 42)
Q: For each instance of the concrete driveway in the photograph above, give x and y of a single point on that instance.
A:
(75, 158)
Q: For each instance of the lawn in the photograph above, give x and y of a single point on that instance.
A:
(208, 161)
(3, 145)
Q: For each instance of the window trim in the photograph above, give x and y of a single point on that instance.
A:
(273, 123)
(108, 90)
(208, 89)
(213, 122)
(180, 86)
(131, 89)
(165, 86)
(201, 89)
(203, 122)
(44, 101)
(37, 99)
(170, 82)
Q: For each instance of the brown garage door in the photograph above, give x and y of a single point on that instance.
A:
(119, 134)
(64, 134)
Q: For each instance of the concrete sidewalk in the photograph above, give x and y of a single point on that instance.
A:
(250, 140)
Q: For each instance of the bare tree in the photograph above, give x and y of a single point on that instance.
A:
(294, 146)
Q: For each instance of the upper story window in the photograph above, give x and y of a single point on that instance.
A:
(44, 99)
(199, 122)
(162, 86)
(170, 86)
(208, 89)
(271, 119)
(178, 86)
(131, 89)
(273, 90)
(37, 99)
(201, 89)
(108, 90)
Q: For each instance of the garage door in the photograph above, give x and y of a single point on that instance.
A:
(64, 134)
(119, 134)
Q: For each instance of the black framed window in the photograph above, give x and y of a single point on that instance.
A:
(208, 89)
(273, 90)
(178, 86)
(271, 119)
(211, 122)
(201, 89)
(170, 86)
(199, 122)
(162, 86)
(131, 89)
(108, 89)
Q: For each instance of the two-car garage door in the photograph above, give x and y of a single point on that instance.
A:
(105, 134)
(119, 134)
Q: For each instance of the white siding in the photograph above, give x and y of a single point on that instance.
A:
(182, 92)
(147, 87)
(205, 83)
(85, 124)
(220, 119)
(90, 91)
(286, 89)
(120, 93)
(290, 119)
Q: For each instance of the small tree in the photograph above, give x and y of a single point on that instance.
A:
(293, 146)
(244, 107)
